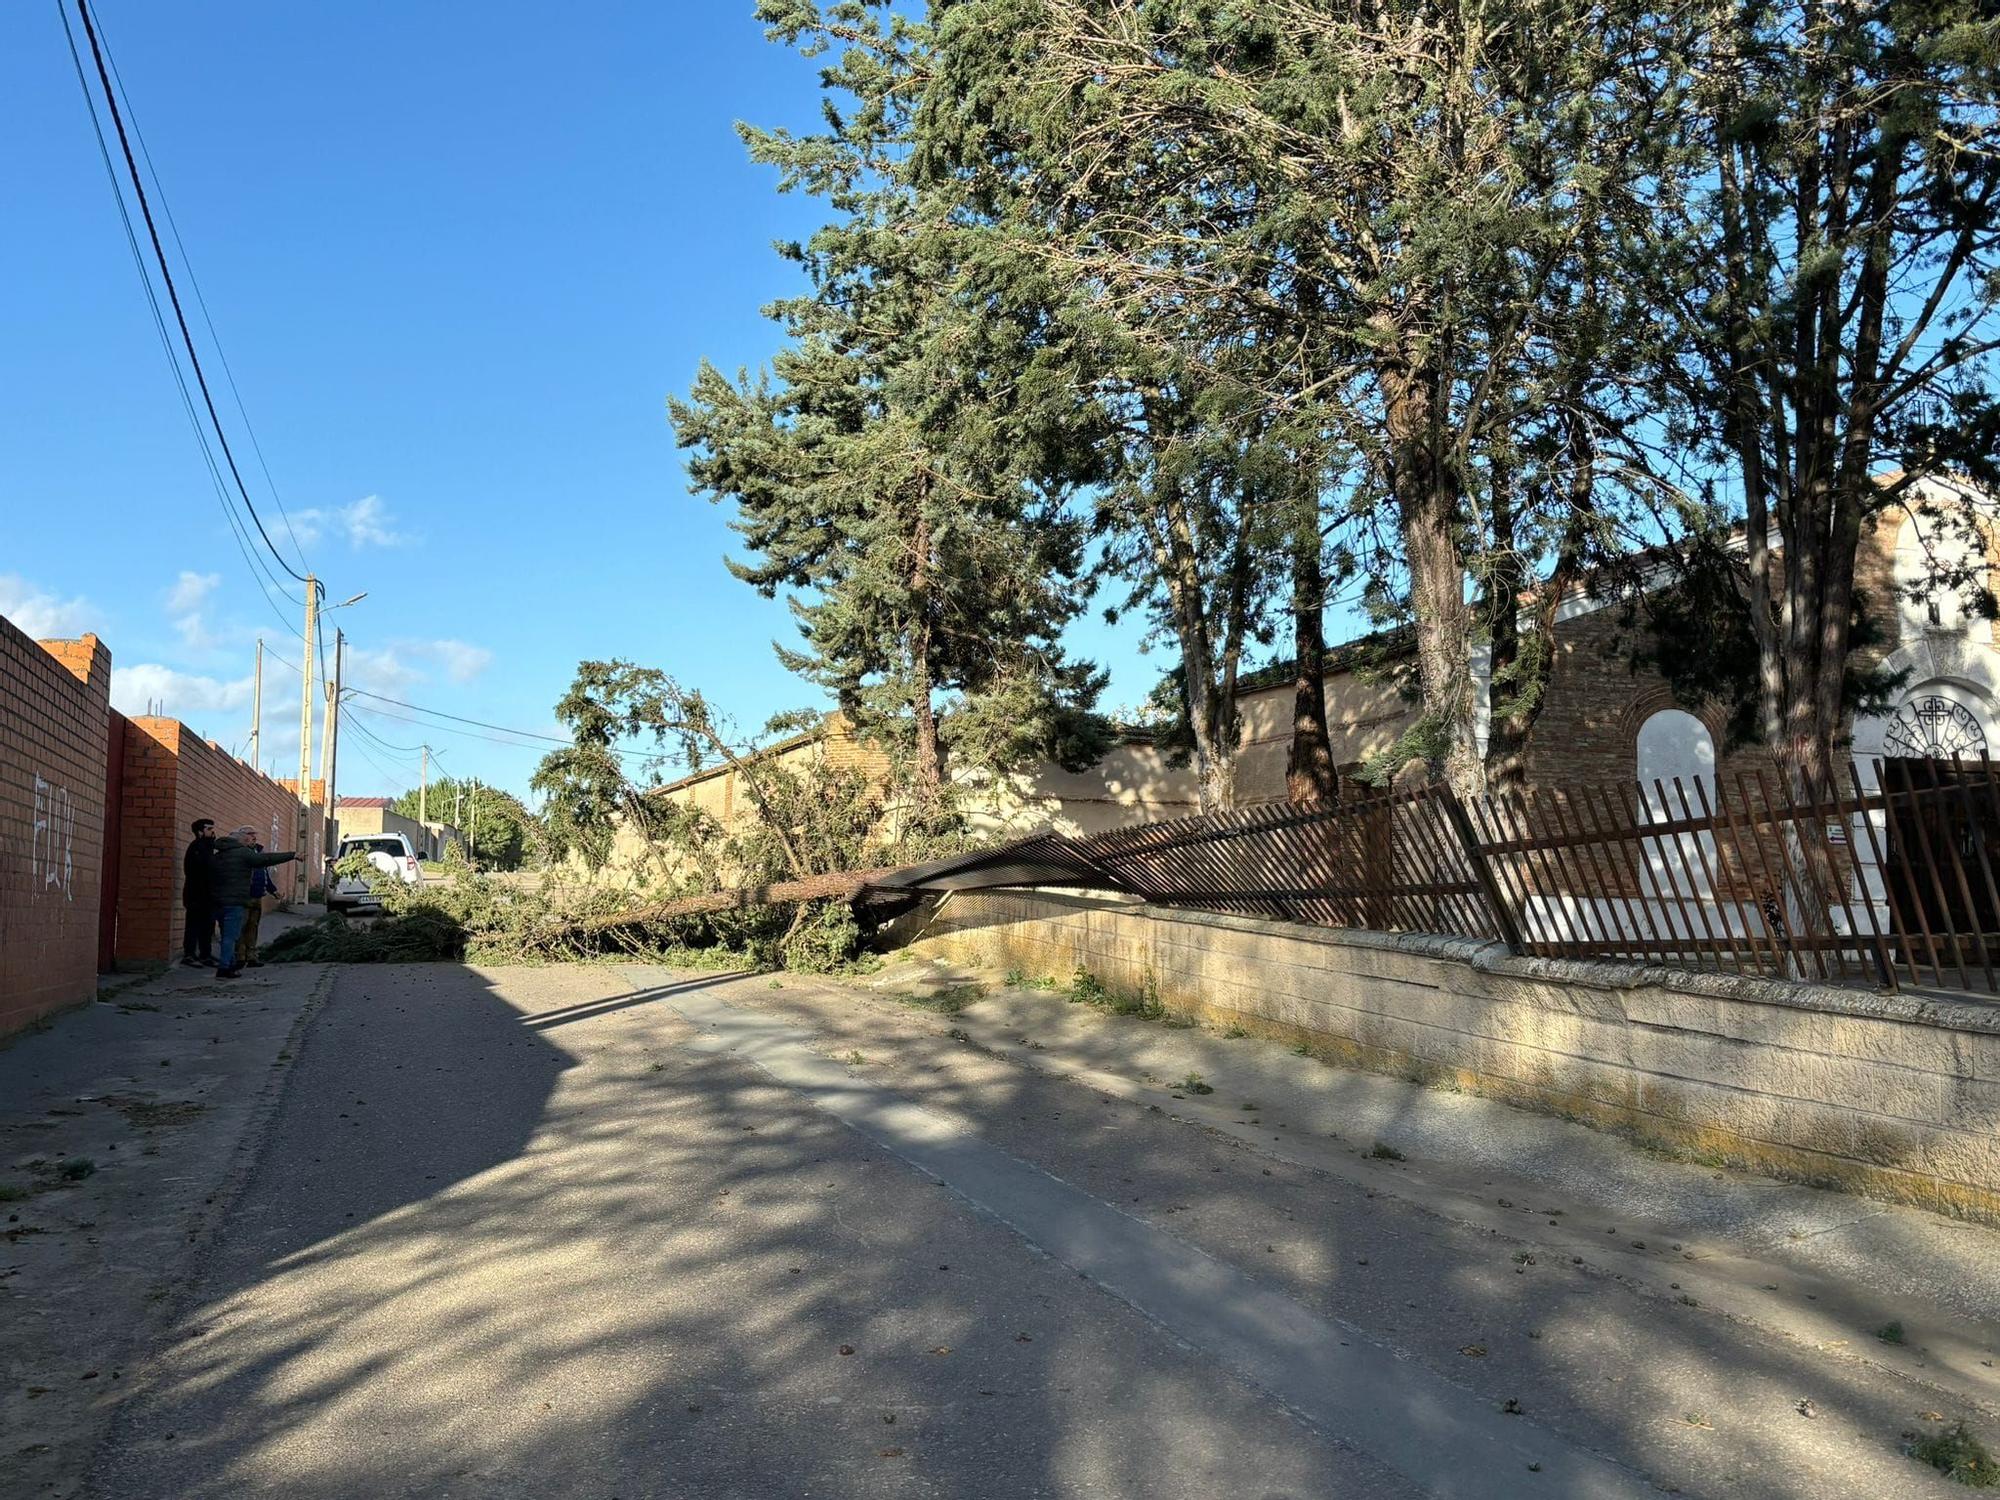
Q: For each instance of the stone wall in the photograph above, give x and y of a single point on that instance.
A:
(1897, 1097)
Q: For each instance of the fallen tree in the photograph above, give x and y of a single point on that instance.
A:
(840, 885)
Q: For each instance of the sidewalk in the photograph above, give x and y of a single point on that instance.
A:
(125, 1126)
(1823, 1268)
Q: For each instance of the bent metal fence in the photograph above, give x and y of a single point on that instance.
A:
(1891, 877)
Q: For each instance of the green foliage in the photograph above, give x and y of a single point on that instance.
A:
(1959, 1454)
(799, 814)
(504, 832)
(901, 473)
(1428, 739)
(1085, 988)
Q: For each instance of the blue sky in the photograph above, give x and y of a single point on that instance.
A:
(458, 256)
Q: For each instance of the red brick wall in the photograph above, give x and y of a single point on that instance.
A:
(1588, 732)
(172, 777)
(54, 712)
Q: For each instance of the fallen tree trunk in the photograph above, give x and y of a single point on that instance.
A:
(836, 886)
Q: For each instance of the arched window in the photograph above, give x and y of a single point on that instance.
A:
(1675, 744)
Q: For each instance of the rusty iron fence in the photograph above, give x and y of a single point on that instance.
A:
(1890, 877)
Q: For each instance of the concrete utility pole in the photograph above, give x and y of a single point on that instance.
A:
(471, 832)
(329, 753)
(302, 881)
(257, 708)
(424, 789)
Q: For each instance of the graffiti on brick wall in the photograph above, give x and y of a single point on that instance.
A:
(52, 849)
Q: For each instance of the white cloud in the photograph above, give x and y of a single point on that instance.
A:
(151, 687)
(40, 614)
(190, 589)
(383, 670)
(365, 523)
(462, 662)
(184, 604)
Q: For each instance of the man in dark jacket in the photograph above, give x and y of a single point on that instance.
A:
(197, 898)
(233, 866)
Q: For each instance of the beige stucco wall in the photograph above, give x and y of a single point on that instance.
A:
(1362, 719)
(429, 840)
(1893, 1096)
(1132, 784)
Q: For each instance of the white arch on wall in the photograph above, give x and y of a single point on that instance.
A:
(1673, 743)
(1941, 666)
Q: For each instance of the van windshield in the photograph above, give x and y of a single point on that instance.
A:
(374, 846)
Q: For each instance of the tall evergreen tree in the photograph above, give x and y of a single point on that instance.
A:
(1392, 191)
(1835, 284)
(905, 472)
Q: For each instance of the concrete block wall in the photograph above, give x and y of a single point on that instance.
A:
(172, 777)
(55, 705)
(1892, 1096)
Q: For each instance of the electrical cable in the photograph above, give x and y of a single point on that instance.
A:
(382, 770)
(187, 265)
(167, 276)
(470, 734)
(240, 536)
(362, 726)
(642, 755)
(526, 734)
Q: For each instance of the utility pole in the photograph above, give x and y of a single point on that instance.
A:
(257, 709)
(329, 751)
(302, 882)
(471, 830)
(424, 790)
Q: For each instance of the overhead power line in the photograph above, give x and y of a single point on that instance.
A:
(201, 301)
(522, 734)
(362, 727)
(526, 734)
(259, 572)
(167, 276)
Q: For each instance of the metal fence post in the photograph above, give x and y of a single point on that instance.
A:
(1475, 855)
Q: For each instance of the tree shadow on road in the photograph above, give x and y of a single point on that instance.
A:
(626, 1267)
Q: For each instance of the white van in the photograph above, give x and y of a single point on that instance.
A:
(388, 852)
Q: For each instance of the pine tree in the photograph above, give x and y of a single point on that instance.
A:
(905, 472)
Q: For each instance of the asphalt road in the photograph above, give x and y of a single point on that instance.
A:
(627, 1233)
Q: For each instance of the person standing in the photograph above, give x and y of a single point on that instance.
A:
(234, 865)
(261, 885)
(198, 897)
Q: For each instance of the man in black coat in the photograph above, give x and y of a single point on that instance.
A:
(234, 864)
(198, 897)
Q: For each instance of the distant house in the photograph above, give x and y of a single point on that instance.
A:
(365, 815)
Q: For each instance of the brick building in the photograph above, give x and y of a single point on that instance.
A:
(55, 708)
